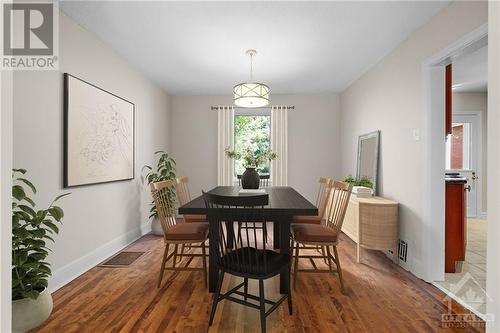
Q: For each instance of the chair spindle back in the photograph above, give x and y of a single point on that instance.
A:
(325, 184)
(239, 249)
(340, 194)
(164, 198)
(264, 180)
(182, 190)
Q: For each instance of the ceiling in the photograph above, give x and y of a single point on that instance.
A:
(198, 48)
(470, 72)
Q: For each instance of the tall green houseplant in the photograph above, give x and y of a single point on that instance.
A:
(31, 229)
(165, 170)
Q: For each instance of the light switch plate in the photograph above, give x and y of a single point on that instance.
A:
(416, 134)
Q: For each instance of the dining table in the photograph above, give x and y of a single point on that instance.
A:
(284, 203)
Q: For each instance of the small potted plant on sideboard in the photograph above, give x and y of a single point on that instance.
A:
(31, 229)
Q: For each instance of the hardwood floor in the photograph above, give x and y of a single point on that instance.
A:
(380, 297)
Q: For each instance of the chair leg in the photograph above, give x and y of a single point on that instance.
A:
(262, 307)
(324, 254)
(182, 252)
(245, 287)
(240, 225)
(339, 269)
(329, 257)
(204, 263)
(296, 266)
(289, 277)
(163, 261)
(216, 298)
(175, 253)
(264, 226)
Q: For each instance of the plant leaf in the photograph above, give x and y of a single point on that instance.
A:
(27, 182)
(61, 196)
(31, 202)
(56, 212)
(48, 237)
(18, 192)
(51, 225)
(27, 209)
(33, 294)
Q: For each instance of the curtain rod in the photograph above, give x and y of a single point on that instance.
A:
(291, 107)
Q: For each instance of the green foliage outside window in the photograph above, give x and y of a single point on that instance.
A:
(252, 133)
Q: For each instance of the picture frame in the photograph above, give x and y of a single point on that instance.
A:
(368, 158)
(99, 135)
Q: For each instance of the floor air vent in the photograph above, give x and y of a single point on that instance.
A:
(403, 250)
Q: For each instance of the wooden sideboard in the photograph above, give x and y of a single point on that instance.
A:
(373, 223)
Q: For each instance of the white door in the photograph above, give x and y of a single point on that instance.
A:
(462, 154)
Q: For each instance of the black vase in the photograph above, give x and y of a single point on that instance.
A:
(250, 179)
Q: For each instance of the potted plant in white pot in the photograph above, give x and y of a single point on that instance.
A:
(165, 170)
(252, 159)
(31, 229)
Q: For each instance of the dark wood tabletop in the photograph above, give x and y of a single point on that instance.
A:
(284, 203)
(283, 200)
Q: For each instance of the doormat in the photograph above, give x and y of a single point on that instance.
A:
(122, 259)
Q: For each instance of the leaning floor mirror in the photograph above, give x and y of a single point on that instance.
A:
(368, 145)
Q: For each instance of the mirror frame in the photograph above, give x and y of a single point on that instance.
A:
(376, 135)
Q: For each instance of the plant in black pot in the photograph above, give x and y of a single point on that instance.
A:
(165, 170)
(252, 159)
(31, 229)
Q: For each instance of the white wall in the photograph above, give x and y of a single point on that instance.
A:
(99, 218)
(493, 244)
(477, 101)
(390, 98)
(313, 139)
(5, 199)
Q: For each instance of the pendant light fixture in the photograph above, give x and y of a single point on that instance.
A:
(251, 94)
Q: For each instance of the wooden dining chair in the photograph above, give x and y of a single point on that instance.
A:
(242, 252)
(325, 184)
(192, 234)
(310, 236)
(184, 196)
(264, 179)
(264, 182)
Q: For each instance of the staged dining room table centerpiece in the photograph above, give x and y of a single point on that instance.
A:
(252, 160)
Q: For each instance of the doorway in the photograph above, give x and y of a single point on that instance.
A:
(465, 158)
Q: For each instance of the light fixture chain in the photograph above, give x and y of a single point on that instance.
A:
(251, 66)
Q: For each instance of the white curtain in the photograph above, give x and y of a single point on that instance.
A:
(225, 165)
(279, 144)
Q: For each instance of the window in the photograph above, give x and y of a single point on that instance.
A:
(458, 147)
(252, 130)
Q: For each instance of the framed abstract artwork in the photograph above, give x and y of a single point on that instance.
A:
(98, 134)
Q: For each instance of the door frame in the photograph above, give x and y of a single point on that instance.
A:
(433, 211)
